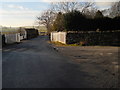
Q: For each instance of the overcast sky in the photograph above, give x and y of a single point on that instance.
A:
(17, 13)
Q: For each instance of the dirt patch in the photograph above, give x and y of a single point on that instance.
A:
(101, 62)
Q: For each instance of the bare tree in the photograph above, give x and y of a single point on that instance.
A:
(85, 7)
(115, 9)
(65, 6)
(46, 19)
(89, 9)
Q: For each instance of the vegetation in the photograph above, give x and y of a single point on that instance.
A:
(76, 21)
(98, 14)
(88, 25)
(58, 24)
(49, 16)
(6, 30)
(94, 38)
(61, 44)
(115, 10)
(77, 16)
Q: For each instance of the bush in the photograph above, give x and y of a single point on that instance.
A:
(94, 38)
(75, 21)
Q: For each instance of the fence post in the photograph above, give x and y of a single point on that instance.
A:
(51, 36)
(18, 37)
(5, 39)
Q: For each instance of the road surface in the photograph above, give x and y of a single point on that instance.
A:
(35, 64)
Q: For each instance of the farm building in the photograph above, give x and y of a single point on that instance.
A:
(21, 34)
(31, 33)
(28, 33)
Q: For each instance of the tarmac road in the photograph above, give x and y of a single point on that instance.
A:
(35, 64)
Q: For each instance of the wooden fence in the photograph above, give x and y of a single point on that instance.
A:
(58, 37)
(10, 38)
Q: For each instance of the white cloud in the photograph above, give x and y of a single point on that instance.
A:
(17, 16)
(103, 4)
(17, 7)
(19, 12)
(16, 21)
(106, 0)
(12, 9)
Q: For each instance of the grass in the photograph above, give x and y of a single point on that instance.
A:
(62, 44)
(9, 30)
(59, 44)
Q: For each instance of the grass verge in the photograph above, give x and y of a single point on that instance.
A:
(61, 44)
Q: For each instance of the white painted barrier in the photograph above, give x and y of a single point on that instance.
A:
(12, 38)
(23, 33)
(21, 38)
(58, 37)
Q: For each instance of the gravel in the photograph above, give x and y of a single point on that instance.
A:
(100, 62)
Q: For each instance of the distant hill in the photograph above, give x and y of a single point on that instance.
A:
(7, 30)
(41, 28)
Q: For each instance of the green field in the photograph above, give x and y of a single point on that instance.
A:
(41, 28)
(6, 30)
(11, 30)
